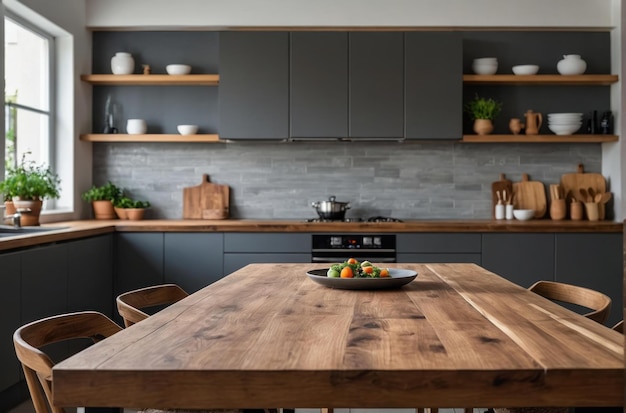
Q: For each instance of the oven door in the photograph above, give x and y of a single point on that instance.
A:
(339, 256)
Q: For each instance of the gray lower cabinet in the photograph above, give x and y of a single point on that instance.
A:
(254, 85)
(193, 260)
(318, 85)
(594, 261)
(241, 249)
(138, 260)
(520, 258)
(10, 307)
(376, 85)
(438, 248)
(433, 85)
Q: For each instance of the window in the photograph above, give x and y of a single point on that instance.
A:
(29, 117)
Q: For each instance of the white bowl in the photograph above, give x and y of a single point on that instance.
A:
(485, 68)
(486, 60)
(563, 129)
(178, 69)
(565, 114)
(523, 214)
(187, 129)
(565, 122)
(525, 69)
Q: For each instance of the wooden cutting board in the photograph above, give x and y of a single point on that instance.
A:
(206, 201)
(500, 186)
(530, 195)
(580, 179)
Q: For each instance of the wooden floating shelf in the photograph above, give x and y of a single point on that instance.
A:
(152, 80)
(539, 138)
(119, 137)
(591, 80)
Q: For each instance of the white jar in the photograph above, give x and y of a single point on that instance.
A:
(508, 211)
(122, 64)
(499, 211)
(136, 126)
(571, 64)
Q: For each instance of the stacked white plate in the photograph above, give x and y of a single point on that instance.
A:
(565, 123)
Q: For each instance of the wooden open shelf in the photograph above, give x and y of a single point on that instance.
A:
(539, 138)
(120, 137)
(152, 80)
(580, 80)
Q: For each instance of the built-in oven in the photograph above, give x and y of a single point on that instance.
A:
(336, 248)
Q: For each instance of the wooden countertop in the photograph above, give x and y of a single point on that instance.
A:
(458, 335)
(80, 229)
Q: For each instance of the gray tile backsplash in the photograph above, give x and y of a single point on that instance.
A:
(279, 180)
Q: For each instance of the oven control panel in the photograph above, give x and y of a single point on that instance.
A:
(354, 241)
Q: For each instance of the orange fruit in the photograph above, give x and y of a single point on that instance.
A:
(347, 273)
(352, 261)
(368, 270)
(384, 272)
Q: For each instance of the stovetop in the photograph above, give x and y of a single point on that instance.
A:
(358, 219)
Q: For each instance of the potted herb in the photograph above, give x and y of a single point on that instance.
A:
(102, 199)
(483, 112)
(127, 208)
(26, 186)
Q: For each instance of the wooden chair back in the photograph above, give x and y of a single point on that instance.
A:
(37, 365)
(131, 303)
(619, 327)
(597, 302)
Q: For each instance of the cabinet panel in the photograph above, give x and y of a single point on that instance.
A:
(440, 258)
(90, 275)
(319, 85)
(593, 261)
(278, 242)
(254, 83)
(438, 243)
(376, 79)
(138, 261)
(235, 261)
(193, 260)
(520, 258)
(10, 320)
(433, 85)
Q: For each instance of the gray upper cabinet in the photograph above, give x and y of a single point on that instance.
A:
(254, 85)
(433, 85)
(319, 85)
(376, 85)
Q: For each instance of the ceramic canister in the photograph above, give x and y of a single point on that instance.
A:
(571, 64)
(122, 64)
(136, 126)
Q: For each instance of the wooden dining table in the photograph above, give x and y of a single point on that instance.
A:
(269, 336)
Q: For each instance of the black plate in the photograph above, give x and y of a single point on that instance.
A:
(397, 278)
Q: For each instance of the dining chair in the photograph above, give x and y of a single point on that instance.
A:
(131, 304)
(37, 365)
(619, 327)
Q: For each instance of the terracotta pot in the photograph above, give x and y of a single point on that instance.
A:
(135, 214)
(483, 126)
(121, 213)
(103, 210)
(9, 208)
(30, 210)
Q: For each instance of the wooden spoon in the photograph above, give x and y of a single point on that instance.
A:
(592, 194)
(583, 192)
(606, 197)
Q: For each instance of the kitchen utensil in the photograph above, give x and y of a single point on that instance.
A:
(555, 192)
(523, 214)
(603, 198)
(576, 210)
(571, 64)
(331, 209)
(574, 181)
(530, 195)
(499, 187)
(591, 208)
(177, 69)
(136, 126)
(525, 69)
(187, 129)
(591, 194)
(533, 122)
(206, 201)
(558, 209)
(485, 65)
(122, 64)
(515, 126)
(584, 194)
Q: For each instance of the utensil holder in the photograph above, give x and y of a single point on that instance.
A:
(499, 211)
(558, 209)
(592, 211)
(508, 211)
(576, 211)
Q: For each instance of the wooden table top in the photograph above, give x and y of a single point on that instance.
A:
(268, 336)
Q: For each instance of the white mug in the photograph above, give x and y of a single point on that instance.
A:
(136, 126)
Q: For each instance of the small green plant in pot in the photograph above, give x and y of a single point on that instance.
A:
(102, 199)
(127, 208)
(483, 111)
(26, 186)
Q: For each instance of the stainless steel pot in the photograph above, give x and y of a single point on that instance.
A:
(331, 209)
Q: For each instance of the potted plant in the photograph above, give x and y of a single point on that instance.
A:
(26, 186)
(127, 208)
(483, 112)
(102, 199)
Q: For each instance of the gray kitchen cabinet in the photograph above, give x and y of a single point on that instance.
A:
(433, 85)
(318, 85)
(241, 249)
(254, 85)
(138, 260)
(376, 85)
(90, 275)
(193, 260)
(520, 258)
(432, 247)
(594, 261)
(10, 306)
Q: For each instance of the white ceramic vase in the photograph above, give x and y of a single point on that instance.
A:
(122, 64)
(136, 126)
(571, 64)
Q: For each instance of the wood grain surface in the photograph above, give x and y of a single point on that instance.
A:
(530, 195)
(266, 335)
(206, 201)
